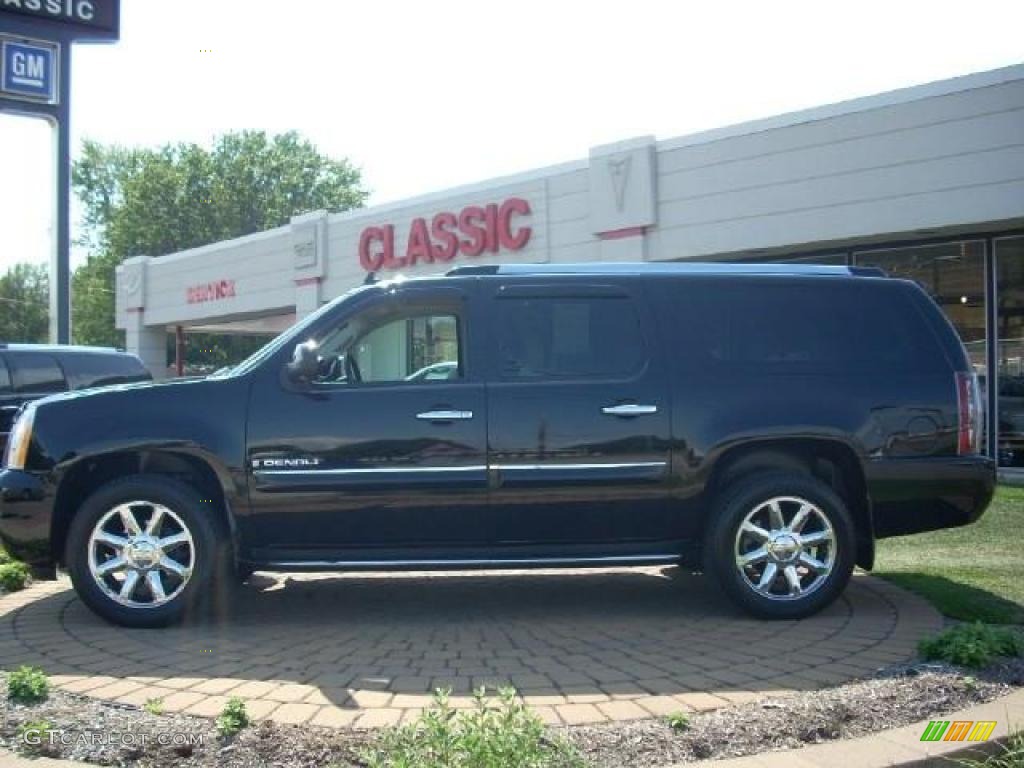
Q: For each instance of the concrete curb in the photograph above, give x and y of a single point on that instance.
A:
(897, 747)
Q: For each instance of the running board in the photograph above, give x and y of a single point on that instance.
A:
(468, 564)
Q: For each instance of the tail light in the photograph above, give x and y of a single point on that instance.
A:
(968, 397)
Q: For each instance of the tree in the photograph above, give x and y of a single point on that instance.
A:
(25, 304)
(157, 201)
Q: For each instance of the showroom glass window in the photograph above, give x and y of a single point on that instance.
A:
(1009, 254)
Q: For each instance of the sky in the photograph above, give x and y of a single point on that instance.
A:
(427, 95)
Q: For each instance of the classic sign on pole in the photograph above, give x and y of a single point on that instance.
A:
(35, 80)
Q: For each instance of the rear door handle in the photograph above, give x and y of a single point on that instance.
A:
(445, 415)
(629, 409)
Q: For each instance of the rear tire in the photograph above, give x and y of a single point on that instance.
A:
(153, 571)
(781, 544)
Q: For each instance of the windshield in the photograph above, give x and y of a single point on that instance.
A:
(292, 334)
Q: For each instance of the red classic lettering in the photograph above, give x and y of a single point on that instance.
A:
(371, 259)
(491, 225)
(476, 229)
(441, 230)
(418, 248)
(513, 242)
(468, 223)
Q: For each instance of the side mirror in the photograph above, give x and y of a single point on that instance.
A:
(305, 362)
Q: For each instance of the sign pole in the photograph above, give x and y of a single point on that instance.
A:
(60, 291)
(35, 80)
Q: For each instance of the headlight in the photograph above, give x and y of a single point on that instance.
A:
(19, 439)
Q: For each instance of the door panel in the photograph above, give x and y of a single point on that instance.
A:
(578, 418)
(340, 466)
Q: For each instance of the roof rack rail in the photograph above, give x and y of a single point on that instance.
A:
(665, 268)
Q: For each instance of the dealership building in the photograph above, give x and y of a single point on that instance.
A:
(925, 182)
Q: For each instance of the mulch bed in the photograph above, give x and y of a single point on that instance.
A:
(896, 696)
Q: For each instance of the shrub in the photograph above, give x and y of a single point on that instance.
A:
(34, 736)
(972, 645)
(13, 575)
(4, 557)
(487, 736)
(678, 721)
(27, 685)
(154, 706)
(232, 718)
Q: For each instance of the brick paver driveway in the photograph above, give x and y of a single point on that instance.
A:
(365, 650)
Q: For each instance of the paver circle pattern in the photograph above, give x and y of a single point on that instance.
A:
(365, 650)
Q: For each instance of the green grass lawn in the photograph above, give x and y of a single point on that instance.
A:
(971, 573)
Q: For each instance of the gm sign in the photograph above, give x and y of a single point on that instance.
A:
(29, 71)
(64, 19)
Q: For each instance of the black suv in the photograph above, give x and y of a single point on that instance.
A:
(31, 371)
(771, 420)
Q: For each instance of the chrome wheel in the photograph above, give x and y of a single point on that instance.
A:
(141, 554)
(785, 548)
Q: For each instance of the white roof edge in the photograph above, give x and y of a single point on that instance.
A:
(905, 95)
(523, 177)
(255, 237)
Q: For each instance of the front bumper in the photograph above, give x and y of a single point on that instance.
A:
(26, 509)
(916, 495)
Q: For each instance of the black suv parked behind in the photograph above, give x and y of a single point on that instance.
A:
(31, 371)
(773, 420)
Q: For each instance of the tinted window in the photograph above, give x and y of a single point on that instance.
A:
(5, 378)
(35, 373)
(805, 325)
(545, 338)
(393, 342)
(98, 370)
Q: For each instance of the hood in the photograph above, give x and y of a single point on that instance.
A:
(114, 389)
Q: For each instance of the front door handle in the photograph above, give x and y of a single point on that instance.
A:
(445, 415)
(629, 409)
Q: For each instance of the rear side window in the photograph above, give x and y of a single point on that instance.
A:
(98, 370)
(808, 325)
(564, 337)
(35, 373)
(5, 378)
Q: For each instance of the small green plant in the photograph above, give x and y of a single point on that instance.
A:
(232, 718)
(13, 575)
(4, 557)
(154, 706)
(490, 735)
(1011, 754)
(34, 736)
(972, 645)
(678, 721)
(27, 685)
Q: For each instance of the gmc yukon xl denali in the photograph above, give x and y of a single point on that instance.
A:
(768, 422)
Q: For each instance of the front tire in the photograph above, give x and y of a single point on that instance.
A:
(142, 550)
(781, 544)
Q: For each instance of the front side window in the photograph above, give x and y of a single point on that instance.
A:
(379, 347)
(36, 374)
(562, 338)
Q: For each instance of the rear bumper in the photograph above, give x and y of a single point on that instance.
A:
(26, 507)
(915, 495)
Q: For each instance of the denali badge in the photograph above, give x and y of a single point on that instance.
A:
(286, 463)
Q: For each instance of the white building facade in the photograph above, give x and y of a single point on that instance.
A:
(926, 182)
